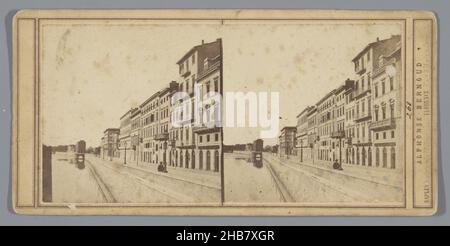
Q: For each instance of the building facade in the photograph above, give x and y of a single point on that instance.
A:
(356, 123)
(387, 108)
(124, 137)
(287, 141)
(302, 149)
(110, 143)
(135, 138)
(197, 136)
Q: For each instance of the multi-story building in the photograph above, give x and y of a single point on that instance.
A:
(365, 64)
(135, 137)
(161, 142)
(349, 126)
(387, 109)
(313, 136)
(356, 122)
(338, 133)
(149, 128)
(124, 137)
(197, 134)
(302, 148)
(325, 126)
(287, 141)
(110, 142)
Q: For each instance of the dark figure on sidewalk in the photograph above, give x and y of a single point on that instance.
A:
(162, 168)
(337, 165)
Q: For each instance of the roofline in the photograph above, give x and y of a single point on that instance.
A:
(308, 108)
(194, 49)
(370, 45)
(326, 96)
(150, 98)
(289, 127)
(111, 129)
(121, 117)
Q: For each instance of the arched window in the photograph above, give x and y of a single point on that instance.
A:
(384, 157)
(200, 161)
(176, 158)
(353, 156)
(216, 161)
(363, 156)
(181, 159)
(346, 155)
(164, 157)
(186, 165)
(369, 157)
(377, 157)
(393, 157)
(208, 160)
(357, 156)
(193, 160)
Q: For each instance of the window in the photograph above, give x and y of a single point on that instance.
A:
(201, 139)
(216, 84)
(383, 109)
(384, 135)
(207, 138)
(392, 134)
(376, 136)
(207, 87)
(391, 83)
(383, 87)
(193, 58)
(368, 79)
(362, 83)
(376, 90)
(216, 137)
(392, 157)
(205, 64)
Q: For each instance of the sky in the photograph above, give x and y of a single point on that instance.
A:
(92, 72)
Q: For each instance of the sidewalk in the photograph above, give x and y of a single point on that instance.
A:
(391, 177)
(207, 178)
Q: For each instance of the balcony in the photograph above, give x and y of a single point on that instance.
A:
(363, 116)
(172, 143)
(162, 136)
(338, 134)
(205, 129)
(360, 93)
(185, 72)
(360, 70)
(382, 124)
(210, 68)
(349, 141)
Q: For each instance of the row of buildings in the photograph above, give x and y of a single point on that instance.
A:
(147, 134)
(357, 122)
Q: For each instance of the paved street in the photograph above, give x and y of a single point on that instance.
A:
(110, 181)
(289, 181)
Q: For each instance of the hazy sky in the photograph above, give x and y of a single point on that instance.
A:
(93, 73)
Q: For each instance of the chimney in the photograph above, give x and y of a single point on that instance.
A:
(378, 39)
(203, 41)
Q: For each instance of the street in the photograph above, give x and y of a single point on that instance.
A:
(282, 180)
(104, 181)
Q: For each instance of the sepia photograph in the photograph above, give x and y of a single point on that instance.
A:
(113, 98)
(336, 104)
